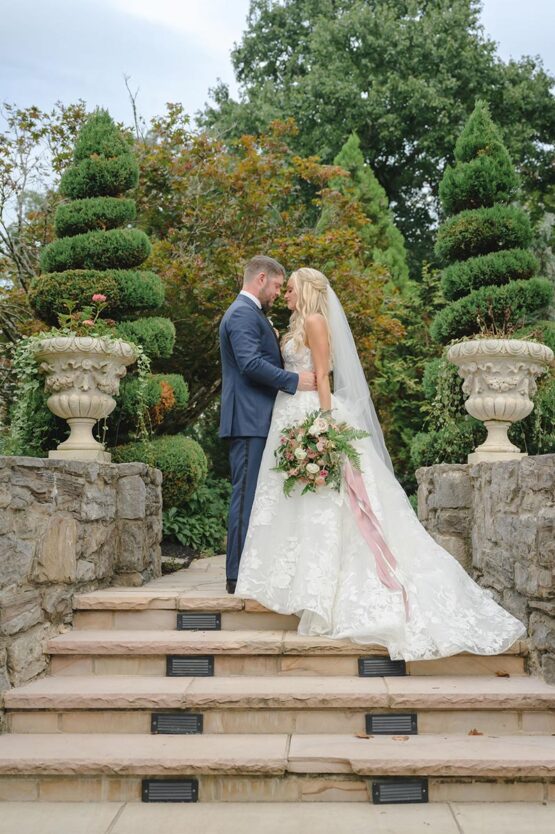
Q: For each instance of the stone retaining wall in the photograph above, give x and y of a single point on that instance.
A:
(498, 520)
(67, 527)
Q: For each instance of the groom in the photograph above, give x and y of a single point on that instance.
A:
(252, 374)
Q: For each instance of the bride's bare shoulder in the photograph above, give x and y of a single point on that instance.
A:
(316, 326)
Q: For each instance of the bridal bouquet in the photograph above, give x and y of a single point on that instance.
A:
(311, 453)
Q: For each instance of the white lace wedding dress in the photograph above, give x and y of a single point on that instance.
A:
(306, 556)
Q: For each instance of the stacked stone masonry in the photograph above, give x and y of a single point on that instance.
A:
(67, 527)
(498, 520)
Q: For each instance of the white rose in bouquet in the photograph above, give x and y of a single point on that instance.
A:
(299, 453)
(319, 426)
(312, 468)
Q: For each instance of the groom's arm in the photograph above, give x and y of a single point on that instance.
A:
(244, 337)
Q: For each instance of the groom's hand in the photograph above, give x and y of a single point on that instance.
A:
(307, 381)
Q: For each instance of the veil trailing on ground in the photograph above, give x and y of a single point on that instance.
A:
(350, 386)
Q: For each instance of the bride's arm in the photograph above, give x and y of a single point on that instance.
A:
(316, 329)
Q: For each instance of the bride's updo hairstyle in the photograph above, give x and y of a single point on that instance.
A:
(311, 287)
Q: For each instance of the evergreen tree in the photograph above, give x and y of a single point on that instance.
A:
(383, 241)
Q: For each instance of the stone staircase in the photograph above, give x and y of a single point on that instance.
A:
(247, 710)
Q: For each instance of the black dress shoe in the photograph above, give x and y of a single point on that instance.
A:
(230, 586)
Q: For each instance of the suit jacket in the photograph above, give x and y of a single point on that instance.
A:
(252, 371)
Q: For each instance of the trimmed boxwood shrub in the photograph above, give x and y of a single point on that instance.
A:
(99, 137)
(518, 301)
(100, 177)
(484, 230)
(486, 270)
(156, 335)
(476, 185)
(92, 213)
(181, 460)
(489, 276)
(484, 173)
(116, 248)
(126, 290)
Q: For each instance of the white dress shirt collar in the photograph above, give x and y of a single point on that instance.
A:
(252, 298)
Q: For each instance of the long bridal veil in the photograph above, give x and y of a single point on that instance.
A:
(350, 386)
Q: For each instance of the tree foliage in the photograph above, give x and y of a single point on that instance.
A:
(211, 205)
(382, 239)
(403, 74)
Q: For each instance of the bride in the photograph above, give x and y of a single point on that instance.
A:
(380, 580)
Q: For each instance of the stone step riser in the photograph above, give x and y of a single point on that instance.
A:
(488, 722)
(164, 619)
(293, 665)
(246, 788)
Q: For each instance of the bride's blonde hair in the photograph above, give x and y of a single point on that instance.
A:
(311, 287)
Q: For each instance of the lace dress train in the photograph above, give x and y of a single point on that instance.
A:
(306, 555)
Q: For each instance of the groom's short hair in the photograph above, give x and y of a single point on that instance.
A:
(261, 263)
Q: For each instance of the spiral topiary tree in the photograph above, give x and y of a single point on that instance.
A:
(490, 277)
(97, 252)
(489, 281)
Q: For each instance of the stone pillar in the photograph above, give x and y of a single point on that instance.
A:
(67, 527)
(498, 519)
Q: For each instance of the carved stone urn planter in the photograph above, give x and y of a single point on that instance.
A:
(82, 377)
(499, 381)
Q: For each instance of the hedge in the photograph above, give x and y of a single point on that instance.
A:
(181, 460)
(497, 268)
(117, 248)
(93, 213)
(480, 231)
(524, 299)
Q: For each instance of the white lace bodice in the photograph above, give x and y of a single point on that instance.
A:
(297, 359)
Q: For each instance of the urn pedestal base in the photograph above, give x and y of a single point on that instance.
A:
(497, 445)
(81, 444)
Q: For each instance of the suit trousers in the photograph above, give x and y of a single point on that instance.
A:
(245, 454)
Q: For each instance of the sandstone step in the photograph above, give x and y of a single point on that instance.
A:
(164, 619)
(274, 767)
(506, 706)
(152, 597)
(276, 818)
(247, 653)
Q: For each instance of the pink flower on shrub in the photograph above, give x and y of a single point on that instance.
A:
(98, 298)
(88, 322)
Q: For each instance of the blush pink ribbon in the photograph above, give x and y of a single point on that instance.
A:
(369, 526)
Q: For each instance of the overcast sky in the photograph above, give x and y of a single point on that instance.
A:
(174, 50)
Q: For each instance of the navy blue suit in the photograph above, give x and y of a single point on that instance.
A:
(252, 374)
